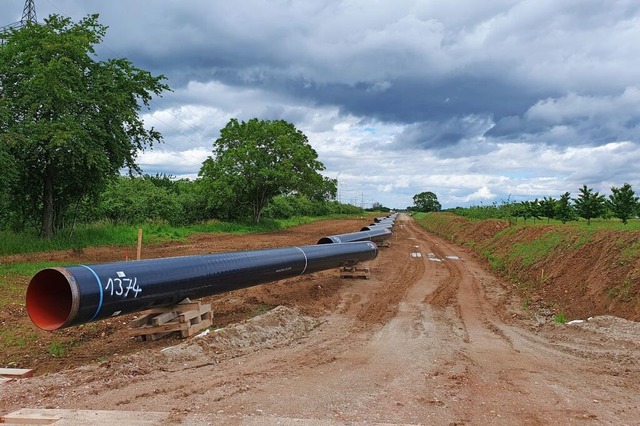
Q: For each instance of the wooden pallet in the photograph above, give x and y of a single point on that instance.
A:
(186, 318)
(353, 272)
(383, 244)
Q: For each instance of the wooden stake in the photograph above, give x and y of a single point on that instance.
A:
(139, 243)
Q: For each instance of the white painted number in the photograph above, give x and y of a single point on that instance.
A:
(123, 286)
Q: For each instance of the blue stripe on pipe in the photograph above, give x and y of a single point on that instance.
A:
(305, 260)
(101, 293)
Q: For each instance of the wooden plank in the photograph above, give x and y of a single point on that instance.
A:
(353, 272)
(186, 318)
(163, 328)
(196, 328)
(74, 417)
(145, 319)
(155, 311)
(164, 318)
(195, 314)
(29, 419)
(184, 307)
(16, 373)
(155, 336)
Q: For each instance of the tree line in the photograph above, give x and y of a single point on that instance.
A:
(622, 204)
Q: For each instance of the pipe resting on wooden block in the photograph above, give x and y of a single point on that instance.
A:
(66, 296)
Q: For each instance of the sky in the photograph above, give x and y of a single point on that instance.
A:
(479, 102)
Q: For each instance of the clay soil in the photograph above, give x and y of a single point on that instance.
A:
(431, 338)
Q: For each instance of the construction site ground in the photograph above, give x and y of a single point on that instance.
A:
(431, 337)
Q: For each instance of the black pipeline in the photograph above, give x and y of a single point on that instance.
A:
(376, 235)
(376, 226)
(66, 296)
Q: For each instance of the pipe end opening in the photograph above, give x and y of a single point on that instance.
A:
(49, 299)
(326, 240)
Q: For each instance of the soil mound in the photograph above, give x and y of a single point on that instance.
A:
(277, 327)
(563, 269)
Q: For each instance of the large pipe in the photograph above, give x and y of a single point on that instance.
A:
(385, 219)
(66, 296)
(375, 236)
(383, 224)
(376, 226)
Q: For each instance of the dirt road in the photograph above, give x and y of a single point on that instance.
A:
(430, 338)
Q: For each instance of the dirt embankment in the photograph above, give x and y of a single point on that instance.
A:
(576, 272)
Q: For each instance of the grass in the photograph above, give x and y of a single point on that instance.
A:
(560, 318)
(16, 336)
(624, 291)
(630, 252)
(105, 234)
(57, 349)
(12, 290)
(26, 269)
(530, 252)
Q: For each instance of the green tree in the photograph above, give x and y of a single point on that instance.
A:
(69, 122)
(589, 204)
(257, 160)
(548, 207)
(529, 209)
(7, 178)
(135, 200)
(623, 202)
(426, 202)
(378, 207)
(323, 191)
(564, 209)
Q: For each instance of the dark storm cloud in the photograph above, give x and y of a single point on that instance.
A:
(593, 120)
(460, 136)
(400, 101)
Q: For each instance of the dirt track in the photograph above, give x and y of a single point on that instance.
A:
(434, 339)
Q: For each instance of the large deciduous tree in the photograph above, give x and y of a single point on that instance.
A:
(256, 160)
(426, 202)
(69, 122)
(623, 202)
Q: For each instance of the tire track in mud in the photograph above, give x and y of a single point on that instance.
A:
(459, 291)
(510, 375)
(491, 369)
(398, 278)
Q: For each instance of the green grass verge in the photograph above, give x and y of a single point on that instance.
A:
(532, 251)
(101, 234)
